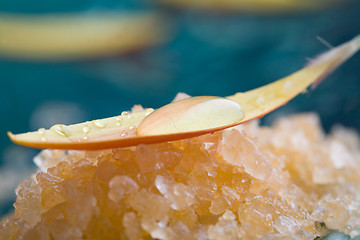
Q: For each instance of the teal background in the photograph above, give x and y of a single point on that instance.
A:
(208, 53)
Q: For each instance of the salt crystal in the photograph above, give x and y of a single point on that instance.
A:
(286, 226)
(121, 185)
(289, 181)
(132, 224)
(247, 156)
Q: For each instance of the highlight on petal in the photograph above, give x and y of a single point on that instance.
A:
(262, 6)
(74, 36)
(191, 114)
(189, 117)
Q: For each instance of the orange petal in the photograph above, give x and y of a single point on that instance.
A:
(120, 131)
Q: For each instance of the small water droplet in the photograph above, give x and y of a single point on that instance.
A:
(124, 134)
(86, 129)
(43, 139)
(260, 101)
(288, 87)
(100, 123)
(118, 121)
(41, 131)
(271, 96)
(124, 113)
(85, 138)
(129, 116)
(132, 127)
(61, 129)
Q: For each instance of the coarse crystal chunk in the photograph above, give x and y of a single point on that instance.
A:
(288, 181)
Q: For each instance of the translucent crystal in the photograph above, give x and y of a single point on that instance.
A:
(289, 181)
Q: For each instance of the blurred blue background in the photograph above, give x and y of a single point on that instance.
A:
(207, 52)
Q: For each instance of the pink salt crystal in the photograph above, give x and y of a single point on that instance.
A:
(137, 108)
(132, 225)
(45, 160)
(121, 185)
(226, 228)
(81, 212)
(39, 232)
(353, 224)
(323, 175)
(50, 195)
(28, 204)
(180, 96)
(297, 132)
(333, 212)
(340, 155)
(158, 230)
(239, 150)
(188, 217)
(307, 123)
(286, 226)
(180, 229)
(123, 154)
(177, 190)
(230, 193)
(199, 233)
(179, 195)
(349, 137)
(157, 157)
(219, 205)
(155, 206)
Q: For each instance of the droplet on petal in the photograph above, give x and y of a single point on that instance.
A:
(61, 129)
(100, 123)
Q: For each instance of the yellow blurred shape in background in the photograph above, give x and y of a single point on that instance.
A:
(74, 36)
(251, 5)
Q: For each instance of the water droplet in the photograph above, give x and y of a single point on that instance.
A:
(118, 121)
(41, 131)
(100, 123)
(124, 134)
(260, 101)
(43, 139)
(132, 127)
(61, 129)
(288, 87)
(124, 113)
(271, 96)
(85, 138)
(129, 116)
(86, 129)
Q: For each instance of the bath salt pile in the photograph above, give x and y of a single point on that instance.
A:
(288, 181)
